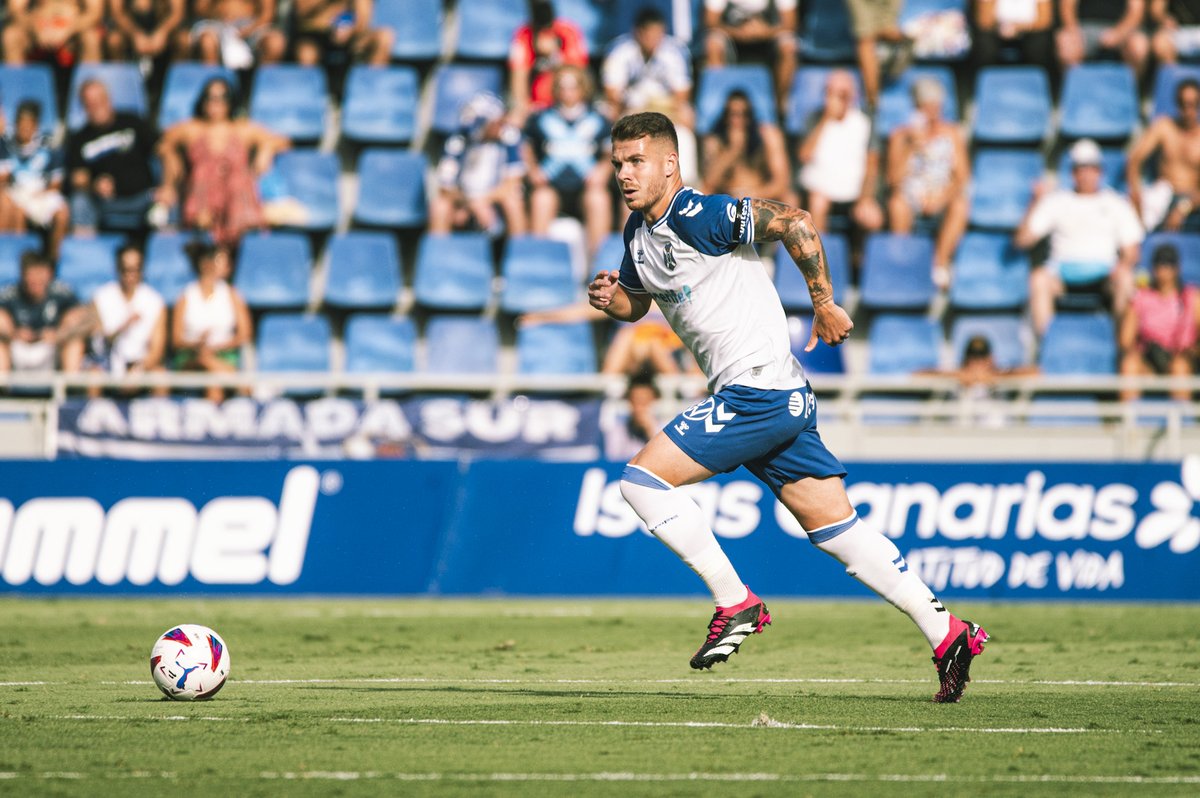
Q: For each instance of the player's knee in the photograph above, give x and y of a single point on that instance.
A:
(638, 484)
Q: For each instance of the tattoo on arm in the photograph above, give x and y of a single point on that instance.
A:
(775, 221)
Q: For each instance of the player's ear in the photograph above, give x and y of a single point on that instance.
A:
(672, 164)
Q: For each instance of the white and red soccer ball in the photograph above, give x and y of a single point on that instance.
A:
(189, 662)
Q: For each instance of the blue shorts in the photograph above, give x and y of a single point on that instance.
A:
(772, 433)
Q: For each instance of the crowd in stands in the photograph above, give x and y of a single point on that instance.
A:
(1022, 163)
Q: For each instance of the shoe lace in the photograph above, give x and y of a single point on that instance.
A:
(717, 625)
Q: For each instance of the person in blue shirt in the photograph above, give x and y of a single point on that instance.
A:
(32, 173)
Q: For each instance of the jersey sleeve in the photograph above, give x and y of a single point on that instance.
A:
(713, 224)
(629, 279)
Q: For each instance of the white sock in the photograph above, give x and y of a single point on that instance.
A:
(678, 522)
(875, 561)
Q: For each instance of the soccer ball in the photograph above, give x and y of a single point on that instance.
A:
(189, 662)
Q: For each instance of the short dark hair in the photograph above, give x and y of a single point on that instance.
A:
(1184, 85)
(34, 257)
(1165, 255)
(199, 250)
(30, 107)
(649, 15)
(647, 123)
(128, 248)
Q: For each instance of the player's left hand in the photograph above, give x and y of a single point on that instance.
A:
(831, 324)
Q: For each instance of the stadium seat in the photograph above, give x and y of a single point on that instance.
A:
(182, 86)
(12, 246)
(461, 345)
(610, 253)
(807, 97)
(620, 15)
(556, 349)
(823, 359)
(380, 105)
(1165, 80)
(1012, 105)
(486, 28)
(293, 342)
(790, 283)
(311, 178)
(363, 271)
(1079, 344)
(1099, 101)
(87, 263)
(587, 15)
(1113, 163)
(391, 188)
(167, 268)
(454, 84)
(454, 272)
(273, 270)
(379, 343)
(989, 273)
(417, 25)
(1006, 333)
(717, 82)
(537, 275)
(125, 87)
(29, 82)
(897, 272)
(895, 98)
(902, 345)
(291, 100)
(1188, 245)
(1002, 186)
(826, 34)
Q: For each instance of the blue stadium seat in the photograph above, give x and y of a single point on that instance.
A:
(454, 84)
(1007, 335)
(717, 82)
(125, 87)
(823, 359)
(807, 96)
(391, 188)
(417, 25)
(182, 86)
(826, 32)
(87, 263)
(587, 15)
(895, 98)
(1012, 105)
(291, 100)
(1002, 186)
(556, 349)
(167, 268)
(790, 284)
(1165, 80)
(486, 28)
(29, 82)
(461, 345)
(380, 105)
(311, 177)
(1113, 164)
(273, 270)
(1079, 344)
(1099, 101)
(293, 342)
(379, 343)
(610, 253)
(12, 246)
(1188, 245)
(537, 275)
(897, 272)
(989, 273)
(363, 271)
(454, 272)
(903, 344)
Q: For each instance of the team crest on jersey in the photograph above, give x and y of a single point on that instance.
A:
(669, 254)
(640, 257)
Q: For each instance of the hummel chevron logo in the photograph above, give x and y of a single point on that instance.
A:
(693, 208)
(721, 415)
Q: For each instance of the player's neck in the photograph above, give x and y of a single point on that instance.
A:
(660, 208)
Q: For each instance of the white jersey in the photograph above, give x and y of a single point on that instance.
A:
(699, 264)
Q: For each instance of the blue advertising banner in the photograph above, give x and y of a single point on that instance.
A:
(1005, 530)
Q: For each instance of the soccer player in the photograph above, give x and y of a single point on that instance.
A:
(693, 254)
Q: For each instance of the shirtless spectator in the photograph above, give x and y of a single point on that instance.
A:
(142, 29)
(60, 31)
(1177, 29)
(1093, 28)
(764, 29)
(328, 26)
(232, 32)
(31, 311)
(746, 157)
(1172, 202)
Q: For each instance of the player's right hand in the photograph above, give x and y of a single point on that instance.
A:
(602, 289)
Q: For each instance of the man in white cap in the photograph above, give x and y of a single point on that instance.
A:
(1094, 238)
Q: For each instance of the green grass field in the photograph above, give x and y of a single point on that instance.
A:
(333, 697)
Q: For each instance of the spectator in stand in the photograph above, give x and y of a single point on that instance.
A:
(32, 170)
(221, 156)
(876, 25)
(1024, 25)
(839, 158)
(1172, 202)
(31, 311)
(1108, 28)
(1159, 331)
(1176, 30)
(123, 330)
(233, 32)
(482, 168)
(928, 174)
(538, 50)
(628, 429)
(340, 26)
(143, 30)
(568, 159)
(753, 29)
(1094, 238)
(211, 322)
(745, 157)
(108, 161)
(63, 32)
